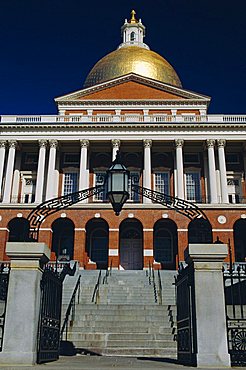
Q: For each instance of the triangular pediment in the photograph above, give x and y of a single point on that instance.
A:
(132, 87)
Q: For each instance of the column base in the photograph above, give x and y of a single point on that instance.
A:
(213, 360)
(18, 358)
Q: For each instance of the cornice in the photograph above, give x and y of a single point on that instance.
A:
(139, 102)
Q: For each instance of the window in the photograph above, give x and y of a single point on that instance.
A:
(193, 187)
(31, 158)
(71, 159)
(28, 188)
(191, 158)
(99, 180)
(234, 188)
(232, 158)
(70, 182)
(162, 182)
(133, 179)
(133, 37)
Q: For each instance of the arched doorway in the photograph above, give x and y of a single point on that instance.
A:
(200, 231)
(97, 233)
(240, 240)
(18, 229)
(131, 245)
(165, 243)
(63, 238)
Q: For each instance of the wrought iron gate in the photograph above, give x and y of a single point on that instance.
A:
(235, 303)
(4, 282)
(50, 316)
(186, 322)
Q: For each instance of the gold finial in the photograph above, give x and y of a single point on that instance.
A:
(133, 19)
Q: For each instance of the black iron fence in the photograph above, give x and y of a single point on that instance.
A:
(4, 283)
(50, 316)
(186, 316)
(235, 305)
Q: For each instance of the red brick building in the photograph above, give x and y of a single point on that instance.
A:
(132, 101)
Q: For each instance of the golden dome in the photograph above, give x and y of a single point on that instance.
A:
(132, 59)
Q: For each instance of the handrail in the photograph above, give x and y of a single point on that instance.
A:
(160, 287)
(108, 273)
(149, 273)
(96, 289)
(71, 307)
(154, 284)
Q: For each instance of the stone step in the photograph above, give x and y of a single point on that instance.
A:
(102, 326)
(122, 318)
(79, 336)
(136, 352)
(162, 344)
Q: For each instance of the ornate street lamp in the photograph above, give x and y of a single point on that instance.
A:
(117, 181)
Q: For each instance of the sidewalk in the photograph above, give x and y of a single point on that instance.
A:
(105, 363)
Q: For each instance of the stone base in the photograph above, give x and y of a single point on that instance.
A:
(211, 360)
(18, 358)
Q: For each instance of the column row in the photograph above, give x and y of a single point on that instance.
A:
(53, 173)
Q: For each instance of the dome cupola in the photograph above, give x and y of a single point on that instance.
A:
(132, 56)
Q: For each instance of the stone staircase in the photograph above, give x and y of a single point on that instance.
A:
(126, 321)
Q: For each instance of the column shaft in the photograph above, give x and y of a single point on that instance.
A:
(211, 172)
(50, 190)
(40, 171)
(9, 172)
(2, 158)
(147, 167)
(222, 168)
(83, 171)
(180, 171)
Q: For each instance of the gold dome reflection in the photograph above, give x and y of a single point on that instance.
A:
(132, 59)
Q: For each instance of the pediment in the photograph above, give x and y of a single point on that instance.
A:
(132, 87)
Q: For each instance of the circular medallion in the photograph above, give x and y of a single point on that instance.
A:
(221, 219)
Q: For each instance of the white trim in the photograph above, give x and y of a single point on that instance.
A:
(113, 252)
(222, 230)
(113, 229)
(182, 229)
(79, 229)
(148, 229)
(148, 252)
(4, 229)
(45, 229)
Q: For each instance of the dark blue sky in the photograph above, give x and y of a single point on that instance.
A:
(47, 47)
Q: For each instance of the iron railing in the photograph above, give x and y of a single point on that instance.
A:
(96, 294)
(71, 310)
(4, 282)
(159, 287)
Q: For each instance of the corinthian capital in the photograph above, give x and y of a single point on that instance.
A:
(13, 144)
(221, 143)
(179, 143)
(3, 143)
(84, 143)
(210, 143)
(42, 143)
(115, 143)
(147, 143)
(53, 143)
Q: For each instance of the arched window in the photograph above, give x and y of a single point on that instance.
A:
(240, 240)
(18, 229)
(165, 243)
(133, 36)
(97, 232)
(200, 231)
(63, 238)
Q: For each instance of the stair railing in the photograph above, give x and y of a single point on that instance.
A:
(70, 313)
(108, 273)
(154, 284)
(149, 273)
(96, 294)
(159, 287)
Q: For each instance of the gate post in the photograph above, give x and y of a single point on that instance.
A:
(212, 348)
(23, 302)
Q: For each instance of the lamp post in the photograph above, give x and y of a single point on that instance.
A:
(117, 182)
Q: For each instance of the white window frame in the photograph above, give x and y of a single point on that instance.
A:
(196, 171)
(66, 171)
(95, 199)
(27, 175)
(168, 176)
(232, 195)
(132, 173)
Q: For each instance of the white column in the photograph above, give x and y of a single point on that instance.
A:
(16, 178)
(147, 167)
(222, 167)
(211, 172)
(180, 170)
(50, 189)
(9, 171)
(40, 171)
(83, 171)
(2, 158)
(115, 148)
